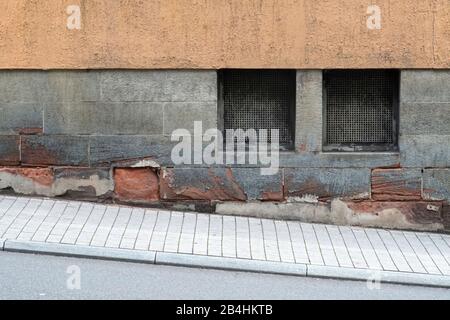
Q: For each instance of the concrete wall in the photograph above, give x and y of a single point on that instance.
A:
(104, 135)
(213, 34)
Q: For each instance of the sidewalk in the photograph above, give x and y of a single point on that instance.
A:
(84, 229)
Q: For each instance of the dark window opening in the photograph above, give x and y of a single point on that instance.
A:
(361, 110)
(258, 99)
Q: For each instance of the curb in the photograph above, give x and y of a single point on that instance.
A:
(58, 249)
(381, 276)
(223, 263)
(187, 260)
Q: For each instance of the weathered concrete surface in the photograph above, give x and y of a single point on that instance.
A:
(54, 150)
(324, 184)
(391, 215)
(408, 215)
(29, 181)
(200, 184)
(9, 150)
(436, 184)
(308, 113)
(80, 183)
(83, 183)
(396, 184)
(217, 34)
(136, 185)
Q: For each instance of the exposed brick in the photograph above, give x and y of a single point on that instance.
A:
(327, 183)
(396, 184)
(417, 214)
(55, 150)
(138, 185)
(200, 184)
(9, 150)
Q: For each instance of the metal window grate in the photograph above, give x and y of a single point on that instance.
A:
(260, 99)
(361, 108)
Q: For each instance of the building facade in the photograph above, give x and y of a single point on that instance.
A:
(92, 94)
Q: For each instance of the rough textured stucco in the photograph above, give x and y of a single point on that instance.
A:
(229, 33)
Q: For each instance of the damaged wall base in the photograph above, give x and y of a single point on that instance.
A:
(395, 200)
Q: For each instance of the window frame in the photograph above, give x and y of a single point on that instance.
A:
(363, 147)
(292, 108)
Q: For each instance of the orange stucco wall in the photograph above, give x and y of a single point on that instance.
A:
(224, 33)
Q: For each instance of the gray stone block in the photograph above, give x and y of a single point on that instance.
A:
(436, 184)
(55, 150)
(20, 117)
(23, 86)
(425, 86)
(183, 115)
(308, 127)
(425, 151)
(73, 86)
(159, 85)
(425, 118)
(48, 86)
(104, 118)
(327, 183)
(259, 187)
(9, 150)
(206, 184)
(107, 149)
(339, 159)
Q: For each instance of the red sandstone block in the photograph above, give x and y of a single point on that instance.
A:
(137, 185)
(396, 184)
(200, 184)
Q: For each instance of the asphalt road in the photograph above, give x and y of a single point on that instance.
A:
(27, 276)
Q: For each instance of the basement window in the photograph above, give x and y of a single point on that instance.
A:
(361, 110)
(258, 99)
